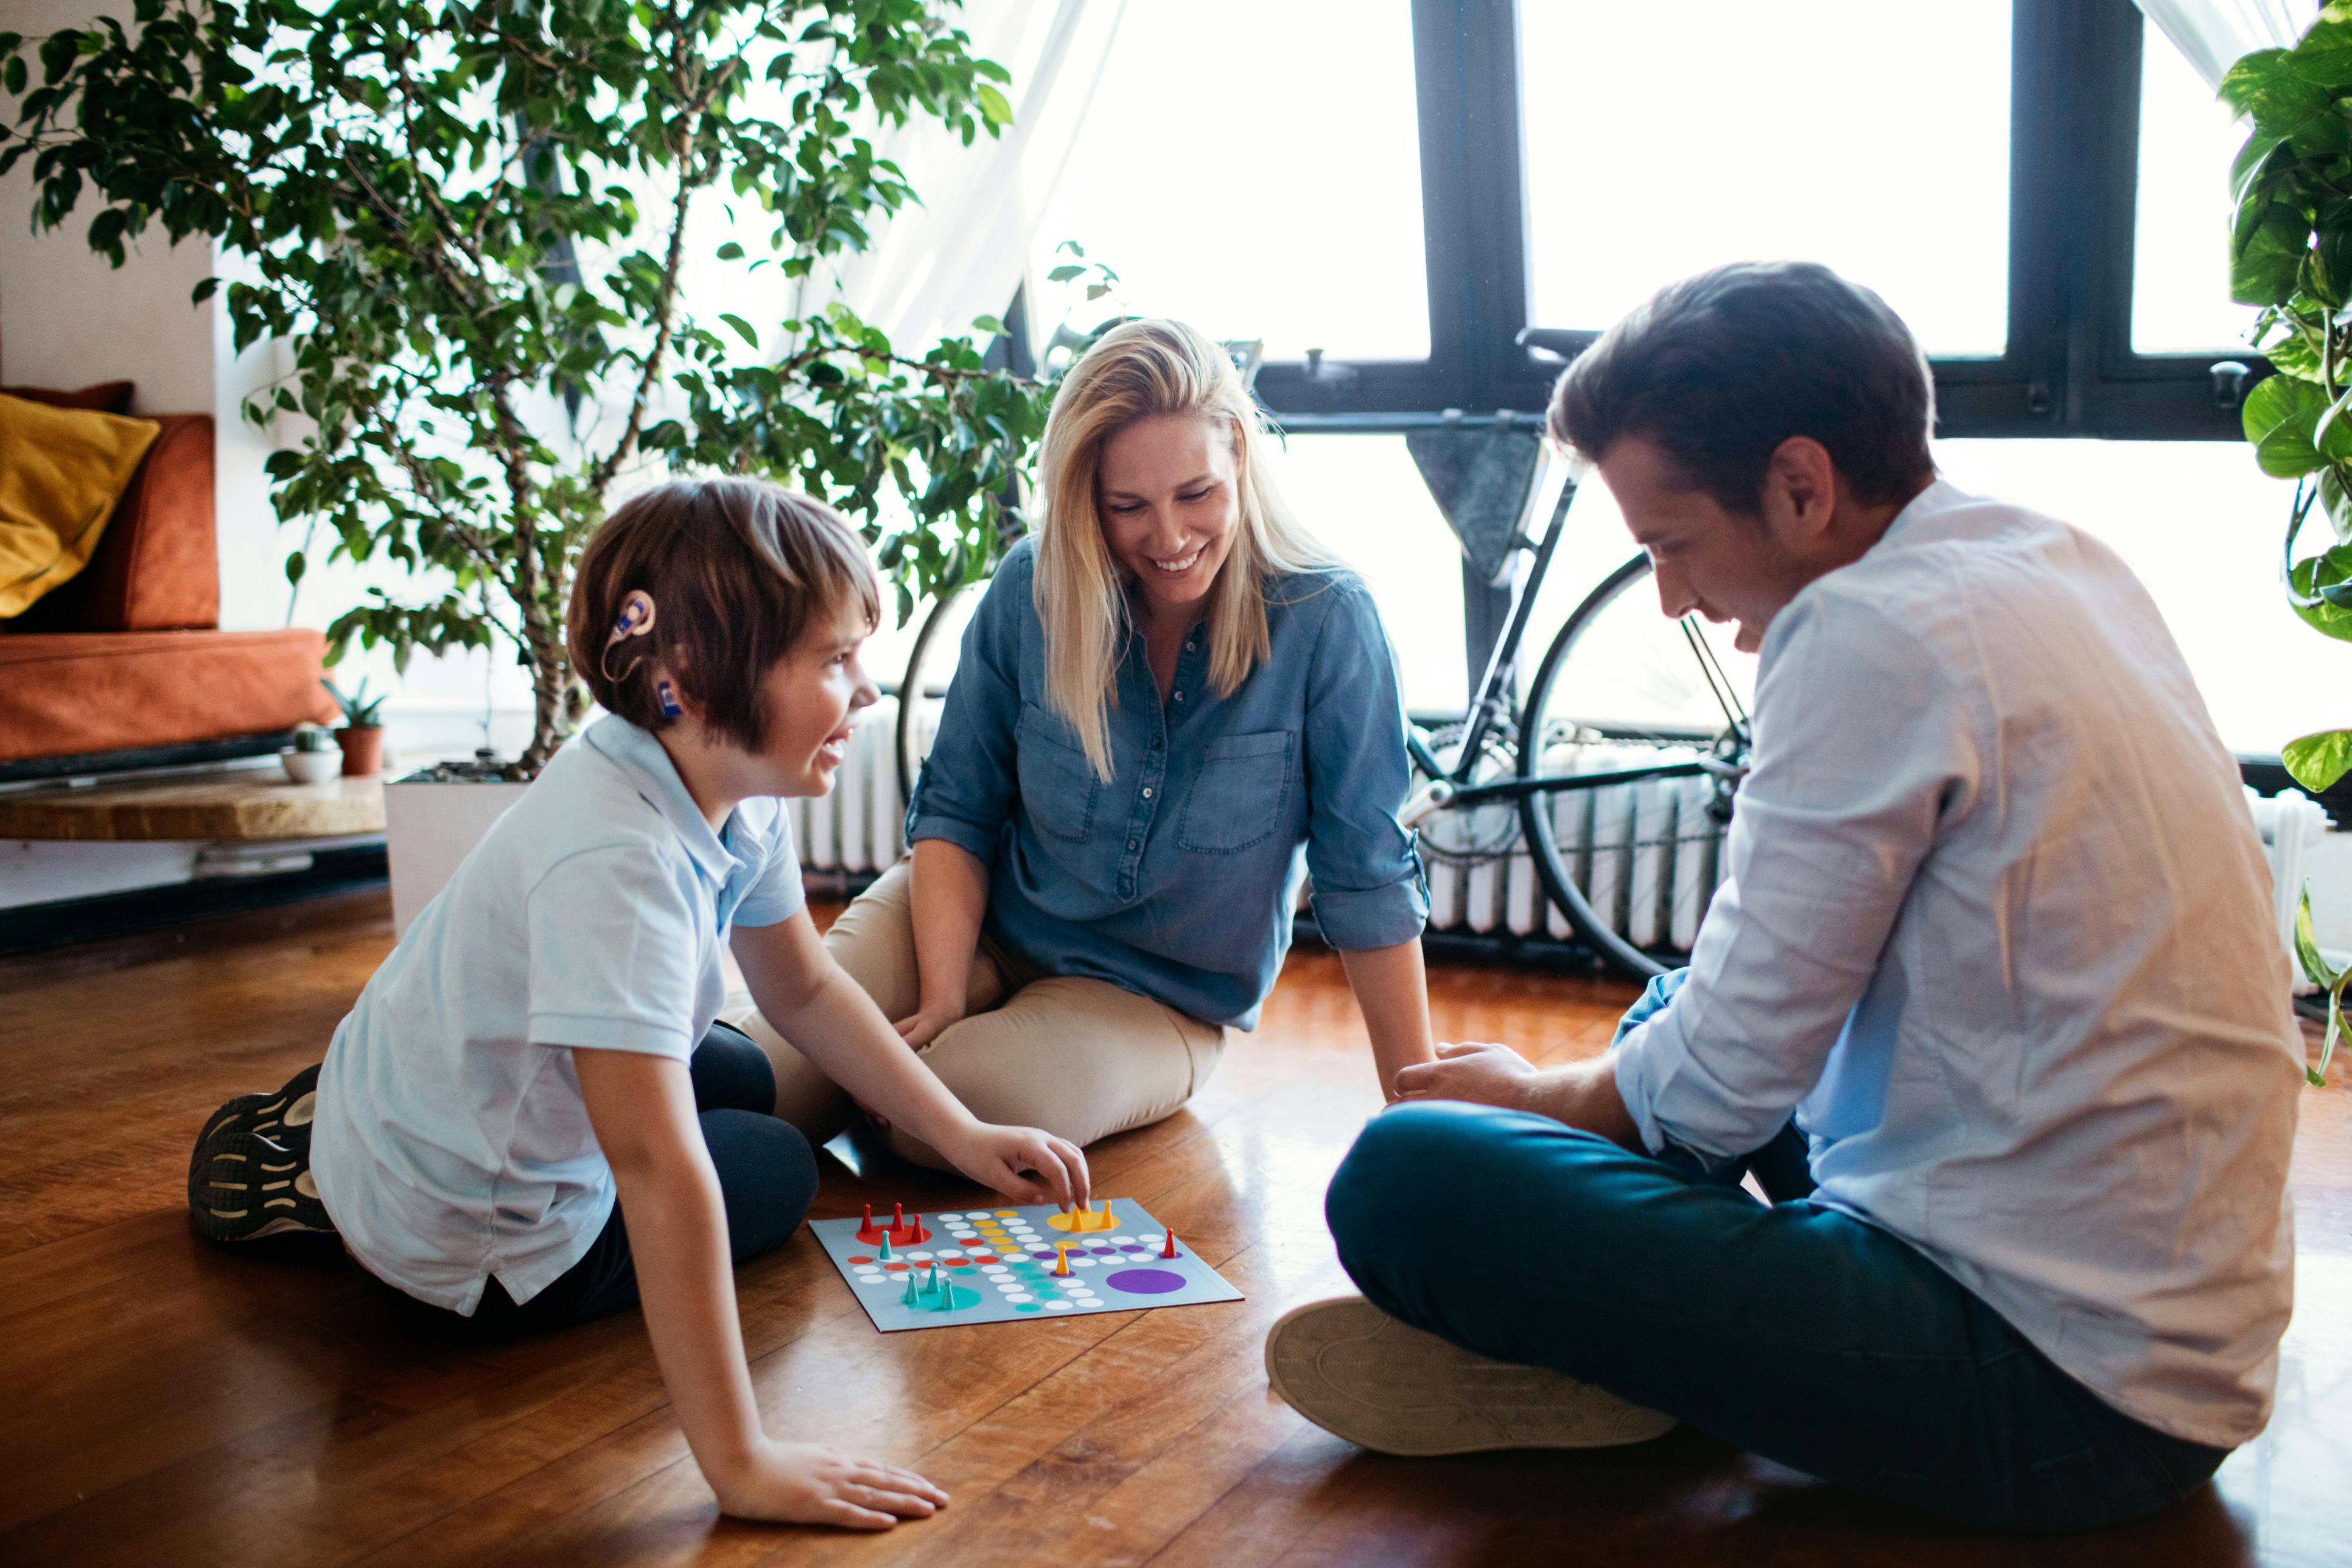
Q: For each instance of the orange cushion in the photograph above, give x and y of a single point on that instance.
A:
(65, 693)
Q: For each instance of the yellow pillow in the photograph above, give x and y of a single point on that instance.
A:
(61, 471)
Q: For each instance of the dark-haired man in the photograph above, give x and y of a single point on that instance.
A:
(1991, 1003)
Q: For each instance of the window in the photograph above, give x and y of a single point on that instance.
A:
(1363, 497)
(1254, 170)
(2180, 274)
(1664, 140)
(2199, 525)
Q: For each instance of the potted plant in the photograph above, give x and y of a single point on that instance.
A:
(472, 230)
(362, 736)
(312, 758)
(2291, 255)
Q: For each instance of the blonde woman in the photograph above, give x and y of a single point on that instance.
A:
(1171, 704)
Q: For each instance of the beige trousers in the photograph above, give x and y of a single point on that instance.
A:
(1081, 1058)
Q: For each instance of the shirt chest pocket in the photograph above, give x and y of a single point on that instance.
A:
(1237, 801)
(1057, 784)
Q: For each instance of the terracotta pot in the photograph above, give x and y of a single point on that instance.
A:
(363, 751)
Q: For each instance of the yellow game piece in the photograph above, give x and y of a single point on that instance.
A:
(1061, 1260)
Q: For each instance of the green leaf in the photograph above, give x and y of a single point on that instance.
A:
(2309, 577)
(2280, 418)
(752, 338)
(2317, 761)
(2317, 1077)
(992, 104)
(730, 251)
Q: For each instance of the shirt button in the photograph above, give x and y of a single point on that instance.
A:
(1133, 844)
(1147, 795)
(1180, 697)
(1188, 648)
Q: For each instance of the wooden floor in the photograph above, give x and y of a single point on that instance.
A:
(162, 1402)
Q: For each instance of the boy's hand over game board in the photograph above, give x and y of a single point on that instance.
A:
(817, 1483)
(1006, 1158)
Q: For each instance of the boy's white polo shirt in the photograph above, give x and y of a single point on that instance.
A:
(451, 1145)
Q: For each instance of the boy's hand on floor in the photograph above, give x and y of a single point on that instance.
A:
(1007, 1158)
(817, 1483)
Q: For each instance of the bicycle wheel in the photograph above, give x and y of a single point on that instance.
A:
(930, 668)
(1630, 866)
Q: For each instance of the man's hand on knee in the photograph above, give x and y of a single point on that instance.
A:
(1579, 1094)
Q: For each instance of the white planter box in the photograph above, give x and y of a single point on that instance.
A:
(429, 828)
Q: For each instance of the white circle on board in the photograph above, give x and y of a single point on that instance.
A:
(1153, 1239)
(917, 1256)
(978, 1214)
(873, 1280)
(951, 1252)
(1020, 1296)
(1122, 1241)
(1082, 1262)
(994, 1268)
(1057, 1305)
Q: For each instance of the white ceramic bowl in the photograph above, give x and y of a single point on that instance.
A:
(311, 767)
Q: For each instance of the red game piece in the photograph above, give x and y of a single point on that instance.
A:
(1170, 1250)
(869, 1233)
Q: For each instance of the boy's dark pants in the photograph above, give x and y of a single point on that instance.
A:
(1790, 1329)
(767, 1174)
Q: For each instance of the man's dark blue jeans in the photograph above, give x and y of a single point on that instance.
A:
(1790, 1329)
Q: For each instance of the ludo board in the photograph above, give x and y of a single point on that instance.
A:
(1003, 1265)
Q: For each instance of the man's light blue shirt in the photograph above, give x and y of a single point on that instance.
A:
(452, 1145)
(1177, 877)
(1997, 929)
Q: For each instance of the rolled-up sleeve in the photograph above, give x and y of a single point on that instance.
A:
(1369, 891)
(1862, 747)
(968, 788)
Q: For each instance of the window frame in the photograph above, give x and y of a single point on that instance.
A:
(2069, 369)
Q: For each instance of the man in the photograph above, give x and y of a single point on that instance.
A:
(1997, 935)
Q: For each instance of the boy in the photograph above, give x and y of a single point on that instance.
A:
(516, 1124)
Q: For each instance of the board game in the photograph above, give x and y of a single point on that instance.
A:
(994, 1266)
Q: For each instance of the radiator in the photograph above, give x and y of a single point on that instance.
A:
(1647, 856)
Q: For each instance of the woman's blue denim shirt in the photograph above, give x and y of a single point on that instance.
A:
(1177, 877)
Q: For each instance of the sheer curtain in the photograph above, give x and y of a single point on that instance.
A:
(964, 250)
(2213, 35)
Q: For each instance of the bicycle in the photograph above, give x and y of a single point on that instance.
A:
(1622, 698)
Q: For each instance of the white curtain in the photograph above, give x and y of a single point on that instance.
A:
(2214, 34)
(964, 250)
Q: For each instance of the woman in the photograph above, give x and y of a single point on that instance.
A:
(1167, 695)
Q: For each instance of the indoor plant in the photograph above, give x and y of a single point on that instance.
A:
(362, 736)
(469, 226)
(313, 757)
(2291, 255)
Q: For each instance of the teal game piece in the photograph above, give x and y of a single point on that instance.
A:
(912, 1296)
(884, 1255)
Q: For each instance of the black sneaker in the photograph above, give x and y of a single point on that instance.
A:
(283, 1117)
(250, 1173)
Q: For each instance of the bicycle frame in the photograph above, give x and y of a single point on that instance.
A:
(1553, 488)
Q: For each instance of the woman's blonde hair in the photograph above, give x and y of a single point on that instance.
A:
(1145, 370)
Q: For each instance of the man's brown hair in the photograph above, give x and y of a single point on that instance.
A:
(739, 571)
(1719, 369)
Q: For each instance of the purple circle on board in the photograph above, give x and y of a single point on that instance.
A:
(1145, 1282)
(1104, 1251)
